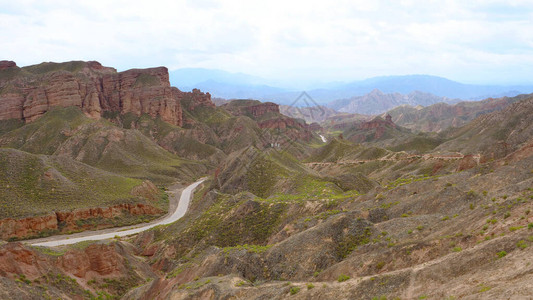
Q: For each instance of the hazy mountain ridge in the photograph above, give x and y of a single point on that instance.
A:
(440, 116)
(229, 85)
(377, 102)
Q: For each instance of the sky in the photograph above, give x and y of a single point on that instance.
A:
(472, 41)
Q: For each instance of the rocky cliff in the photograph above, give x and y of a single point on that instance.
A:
(65, 221)
(79, 272)
(27, 93)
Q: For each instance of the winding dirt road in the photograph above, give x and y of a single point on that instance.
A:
(177, 210)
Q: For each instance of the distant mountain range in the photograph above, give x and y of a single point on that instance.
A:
(223, 84)
(377, 102)
(242, 86)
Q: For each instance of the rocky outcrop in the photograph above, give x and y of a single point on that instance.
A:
(96, 259)
(251, 108)
(7, 64)
(194, 99)
(65, 221)
(378, 126)
(95, 89)
(263, 108)
(377, 123)
(26, 227)
(314, 127)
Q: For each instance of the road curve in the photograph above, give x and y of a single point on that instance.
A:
(180, 211)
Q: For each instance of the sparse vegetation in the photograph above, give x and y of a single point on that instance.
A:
(342, 278)
(521, 244)
(294, 290)
(501, 254)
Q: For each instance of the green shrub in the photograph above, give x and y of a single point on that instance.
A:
(380, 265)
(501, 254)
(343, 277)
(457, 249)
(310, 286)
(294, 290)
(515, 228)
(521, 244)
(530, 226)
(483, 288)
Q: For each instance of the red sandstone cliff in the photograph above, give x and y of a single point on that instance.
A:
(66, 221)
(95, 260)
(263, 108)
(27, 94)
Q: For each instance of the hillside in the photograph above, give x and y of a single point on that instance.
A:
(420, 215)
(495, 135)
(44, 195)
(67, 132)
(377, 211)
(311, 114)
(138, 130)
(377, 102)
(440, 116)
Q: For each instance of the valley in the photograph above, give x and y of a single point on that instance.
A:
(116, 185)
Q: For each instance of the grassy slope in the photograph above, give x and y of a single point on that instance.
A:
(495, 134)
(67, 132)
(315, 232)
(38, 184)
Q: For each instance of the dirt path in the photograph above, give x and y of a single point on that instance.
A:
(178, 204)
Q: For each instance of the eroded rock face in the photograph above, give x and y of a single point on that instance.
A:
(263, 108)
(95, 89)
(26, 227)
(95, 260)
(62, 221)
(6, 64)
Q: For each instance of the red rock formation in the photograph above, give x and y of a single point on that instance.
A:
(280, 123)
(104, 260)
(195, 98)
(95, 89)
(32, 226)
(314, 127)
(467, 162)
(6, 64)
(96, 260)
(17, 259)
(26, 227)
(263, 108)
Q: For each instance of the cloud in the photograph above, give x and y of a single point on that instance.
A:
(475, 41)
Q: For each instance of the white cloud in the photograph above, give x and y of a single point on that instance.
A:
(335, 40)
